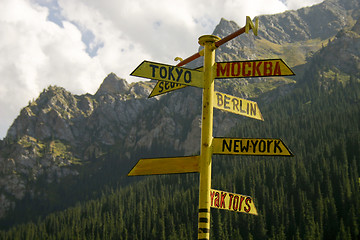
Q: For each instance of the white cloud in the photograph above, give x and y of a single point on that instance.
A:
(295, 4)
(36, 53)
(75, 44)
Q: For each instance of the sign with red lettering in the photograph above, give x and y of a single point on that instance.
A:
(232, 202)
(237, 105)
(257, 68)
(251, 146)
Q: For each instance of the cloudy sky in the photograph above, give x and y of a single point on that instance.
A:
(76, 43)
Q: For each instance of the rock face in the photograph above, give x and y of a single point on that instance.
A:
(59, 132)
(113, 85)
(319, 21)
(343, 52)
(24, 161)
(61, 115)
(290, 35)
(338, 61)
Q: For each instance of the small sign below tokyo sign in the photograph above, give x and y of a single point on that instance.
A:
(162, 87)
(232, 202)
(169, 73)
(251, 146)
(253, 68)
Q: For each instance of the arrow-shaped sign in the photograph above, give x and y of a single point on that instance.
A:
(251, 146)
(253, 68)
(152, 166)
(162, 87)
(237, 105)
(163, 72)
(232, 202)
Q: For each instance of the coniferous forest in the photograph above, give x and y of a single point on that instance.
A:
(314, 195)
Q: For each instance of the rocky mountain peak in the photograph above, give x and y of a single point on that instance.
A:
(320, 21)
(55, 105)
(55, 97)
(356, 27)
(112, 84)
(225, 27)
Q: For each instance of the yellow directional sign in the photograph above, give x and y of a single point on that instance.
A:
(162, 87)
(251, 146)
(253, 68)
(232, 202)
(237, 105)
(169, 73)
(152, 166)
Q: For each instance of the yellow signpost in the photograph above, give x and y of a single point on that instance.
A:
(207, 42)
(176, 77)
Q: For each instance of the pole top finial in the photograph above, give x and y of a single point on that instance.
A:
(208, 38)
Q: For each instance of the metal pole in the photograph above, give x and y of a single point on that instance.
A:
(208, 41)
